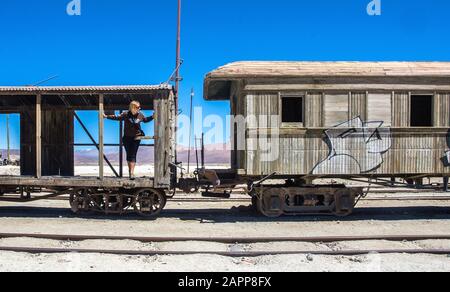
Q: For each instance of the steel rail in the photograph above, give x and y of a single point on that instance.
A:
(230, 240)
(38, 250)
(55, 197)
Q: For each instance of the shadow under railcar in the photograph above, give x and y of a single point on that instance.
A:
(239, 214)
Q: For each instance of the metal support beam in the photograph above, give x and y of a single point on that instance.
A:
(121, 148)
(38, 136)
(8, 149)
(106, 145)
(101, 124)
(94, 143)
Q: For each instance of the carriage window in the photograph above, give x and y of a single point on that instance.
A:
(292, 109)
(421, 111)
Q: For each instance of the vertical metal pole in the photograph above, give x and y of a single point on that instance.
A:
(100, 135)
(38, 136)
(8, 149)
(178, 58)
(177, 76)
(121, 148)
(196, 153)
(190, 132)
(203, 151)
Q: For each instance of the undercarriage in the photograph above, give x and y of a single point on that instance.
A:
(144, 202)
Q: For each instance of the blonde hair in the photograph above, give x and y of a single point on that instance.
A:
(134, 105)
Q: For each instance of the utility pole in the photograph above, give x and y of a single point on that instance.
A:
(178, 59)
(190, 130)
(8, 153)
(177, 79)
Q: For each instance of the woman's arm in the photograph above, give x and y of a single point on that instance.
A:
(120, 117)
(149, 119)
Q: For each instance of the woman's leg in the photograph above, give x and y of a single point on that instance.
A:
(127, 143)
(131, 167)
(131, 156)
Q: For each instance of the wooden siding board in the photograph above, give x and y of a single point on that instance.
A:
(379, 108)
(401, 110)
(412, 152)
(336, 109)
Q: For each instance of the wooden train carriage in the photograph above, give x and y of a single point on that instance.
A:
(412, 100)
(337, 119)
(47, 117)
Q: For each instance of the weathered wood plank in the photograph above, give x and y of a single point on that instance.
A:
(347, 87)
(336, 108)
(379, 108)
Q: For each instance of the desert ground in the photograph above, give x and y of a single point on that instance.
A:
(145, 170)
(228, 218)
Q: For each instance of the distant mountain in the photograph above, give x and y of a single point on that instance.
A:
(15, 154)
(214, 154)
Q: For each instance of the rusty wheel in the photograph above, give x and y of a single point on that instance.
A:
(79, 200)
(344, 203)
(149, 202)
(270, 204)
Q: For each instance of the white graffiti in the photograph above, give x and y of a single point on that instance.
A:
(374, 8)
(355, 147)
(74, 8)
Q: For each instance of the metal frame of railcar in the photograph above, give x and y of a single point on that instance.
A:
(102, 194)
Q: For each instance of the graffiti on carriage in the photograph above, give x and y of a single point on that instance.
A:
(356, 147)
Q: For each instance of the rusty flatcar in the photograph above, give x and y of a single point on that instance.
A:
(309, 120)
(47, 146)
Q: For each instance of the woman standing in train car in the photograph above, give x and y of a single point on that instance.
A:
(132, 132)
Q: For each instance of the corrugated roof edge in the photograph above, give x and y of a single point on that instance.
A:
(110, 88)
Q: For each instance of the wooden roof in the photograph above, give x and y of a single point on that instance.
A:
(330, 69)
(218, 82)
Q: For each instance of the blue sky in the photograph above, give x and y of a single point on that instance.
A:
(133, 42)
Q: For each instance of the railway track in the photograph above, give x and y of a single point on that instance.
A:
(227, 240)
(245, 200)
(39, 250)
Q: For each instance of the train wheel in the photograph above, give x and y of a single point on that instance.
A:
(269, 204)
(344, 203)
(79, 200)
(149, 202)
